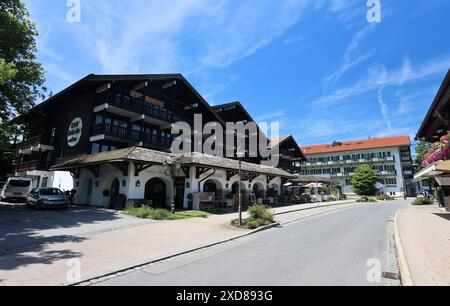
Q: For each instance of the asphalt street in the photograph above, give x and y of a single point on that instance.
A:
(349, 246)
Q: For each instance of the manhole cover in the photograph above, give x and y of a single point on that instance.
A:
(390, 275)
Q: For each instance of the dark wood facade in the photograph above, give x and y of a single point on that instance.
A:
(117, 111)
(290, 155)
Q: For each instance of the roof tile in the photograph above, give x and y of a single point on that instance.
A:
(358, 145)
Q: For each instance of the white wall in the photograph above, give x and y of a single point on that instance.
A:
(395, 152)
(109, 173)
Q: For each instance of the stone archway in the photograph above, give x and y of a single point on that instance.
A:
(156, 191)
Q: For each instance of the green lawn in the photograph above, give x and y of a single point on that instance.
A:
(163, 214)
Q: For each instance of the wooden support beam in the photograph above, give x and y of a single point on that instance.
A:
(95, 169)
(121, 166)
(75, 173)
(270, 178)
(199, 171)
(138, 168)
(230, 174)
(186, 170)
(253, 176)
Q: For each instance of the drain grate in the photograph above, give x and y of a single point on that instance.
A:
(390, 275)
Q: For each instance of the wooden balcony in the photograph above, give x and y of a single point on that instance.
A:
(128, 136)
(31, 145)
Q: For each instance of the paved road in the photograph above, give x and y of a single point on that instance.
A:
(23, 228)
(328, 249)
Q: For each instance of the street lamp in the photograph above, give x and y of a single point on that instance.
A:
(173, 169)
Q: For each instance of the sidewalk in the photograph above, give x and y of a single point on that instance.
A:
(116, 250)
(425, 238)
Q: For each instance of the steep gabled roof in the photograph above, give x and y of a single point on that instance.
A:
(281, 140)
(92, 81)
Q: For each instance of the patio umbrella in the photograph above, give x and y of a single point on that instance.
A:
(314, 185)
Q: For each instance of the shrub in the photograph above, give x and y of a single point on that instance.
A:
(384, 197)
(423, 201)
(440, 197)
(259, 216)
(260, 212)
(365, 200)
(161, 214)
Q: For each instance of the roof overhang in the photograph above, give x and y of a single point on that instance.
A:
(431, 122)
(434, 170)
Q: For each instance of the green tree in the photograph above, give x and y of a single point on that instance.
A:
(422, 148)
(364, 180)
(21, 75)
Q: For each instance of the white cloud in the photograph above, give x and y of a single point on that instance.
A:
(235, 33)
(379, 76)
(348, 61)
(384, 108)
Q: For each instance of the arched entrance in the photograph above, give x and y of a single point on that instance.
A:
(212, 186)
(258, 190)
(235, 192)
(156, 191)
(115, 189)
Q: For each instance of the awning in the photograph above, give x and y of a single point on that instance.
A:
(314, 185)
(433, 171)
(443, 181)
(142, 155)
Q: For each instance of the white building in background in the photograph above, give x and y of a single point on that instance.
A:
(390, 157)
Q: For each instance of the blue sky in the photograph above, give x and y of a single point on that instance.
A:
(319, 67)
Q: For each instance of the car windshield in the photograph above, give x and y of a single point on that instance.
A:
(19, 183)
(50, 192)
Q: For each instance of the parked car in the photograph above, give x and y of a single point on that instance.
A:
(40, 198)
(425, 194)
(16, 188)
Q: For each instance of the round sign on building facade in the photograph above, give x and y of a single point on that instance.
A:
(74, 133)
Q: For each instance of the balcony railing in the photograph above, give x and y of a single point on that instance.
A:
(139, 107)
(349, 162)
(29, 143)
(128, 135)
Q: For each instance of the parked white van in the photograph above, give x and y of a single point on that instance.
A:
(16, 188)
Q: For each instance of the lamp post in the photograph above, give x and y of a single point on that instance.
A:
(240, 191)
(173, 169)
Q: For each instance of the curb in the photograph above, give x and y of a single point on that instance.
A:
(97, 279)
(405, 273)
(93, 280)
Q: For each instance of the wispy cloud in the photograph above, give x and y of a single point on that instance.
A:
(348, 61)
(378, 76)
(384, 108)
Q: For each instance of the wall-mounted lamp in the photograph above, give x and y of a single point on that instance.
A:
(227, 186)
(124, 183)
(188, 185)
(77, 184)
(97, 184)
(138, 184)
(249, 186)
